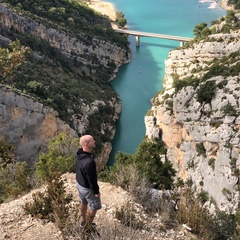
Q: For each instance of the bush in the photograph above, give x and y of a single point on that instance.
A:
(51, 204)
(10, 60)
(229, 110)
(20, 176)
(192, 212)
(222, 226)
(151, 162)
(15, 177)
(59, 158)
(178, 84)
(6, 154)
(121, 21)
(211, 163)
(200, 149)
(203, 196)
(206, 92)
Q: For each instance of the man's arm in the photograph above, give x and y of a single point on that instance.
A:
(92, 178)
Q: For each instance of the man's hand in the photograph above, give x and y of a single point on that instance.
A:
(97, 195)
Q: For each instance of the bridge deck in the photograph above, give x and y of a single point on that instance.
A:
(154, 35)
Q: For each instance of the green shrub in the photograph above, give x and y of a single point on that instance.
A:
(178, 84)
(237, 230)
(10, 60)
(51, 204)
(200, 149)
(201, 31)
(6, 154)
(15, 177)
(203, 196)
(121, 21)
(120, 174)
(206, 92)
(147, 162)
(192, 213)
(217, 226)
(222, 226)
(59, 158)
(211, 163)
(15, 180)
(150, 160)
(229, 110)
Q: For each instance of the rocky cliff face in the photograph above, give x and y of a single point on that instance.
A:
(203, 138)
(105, 52)
(27, 124)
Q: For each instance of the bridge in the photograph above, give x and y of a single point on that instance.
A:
(182, 40)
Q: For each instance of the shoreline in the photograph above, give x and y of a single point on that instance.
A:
(108, 9)
(105, 8)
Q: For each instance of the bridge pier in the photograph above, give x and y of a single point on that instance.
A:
(137, 41)
(181, 44)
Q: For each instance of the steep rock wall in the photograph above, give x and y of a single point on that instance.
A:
(27, 124)
(106, 52)
(186, 125)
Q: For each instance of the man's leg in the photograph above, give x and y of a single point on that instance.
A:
(84, 212)
(91, 216)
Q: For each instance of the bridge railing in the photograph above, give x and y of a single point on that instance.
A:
(139, 34)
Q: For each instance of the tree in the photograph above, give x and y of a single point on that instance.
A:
(11, 59)
(6, 154)
(60, 157)
(201, 30)
(151, 161)
(121, 21)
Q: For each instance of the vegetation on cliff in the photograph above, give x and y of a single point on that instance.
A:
(236, 3)
(226, 66)
(72, 17)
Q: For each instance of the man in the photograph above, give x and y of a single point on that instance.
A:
(87, 185)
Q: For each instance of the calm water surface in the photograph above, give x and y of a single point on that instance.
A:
(137, 82)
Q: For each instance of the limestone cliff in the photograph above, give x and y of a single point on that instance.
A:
(202, 137)
(105, 52)
(27, 124)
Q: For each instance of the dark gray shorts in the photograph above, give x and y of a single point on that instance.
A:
(88, 197)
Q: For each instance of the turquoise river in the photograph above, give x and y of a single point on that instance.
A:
(138, 82)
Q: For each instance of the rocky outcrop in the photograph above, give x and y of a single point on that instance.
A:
(202, 138)
(27, 124)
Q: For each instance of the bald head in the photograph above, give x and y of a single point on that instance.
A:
(87, 143)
